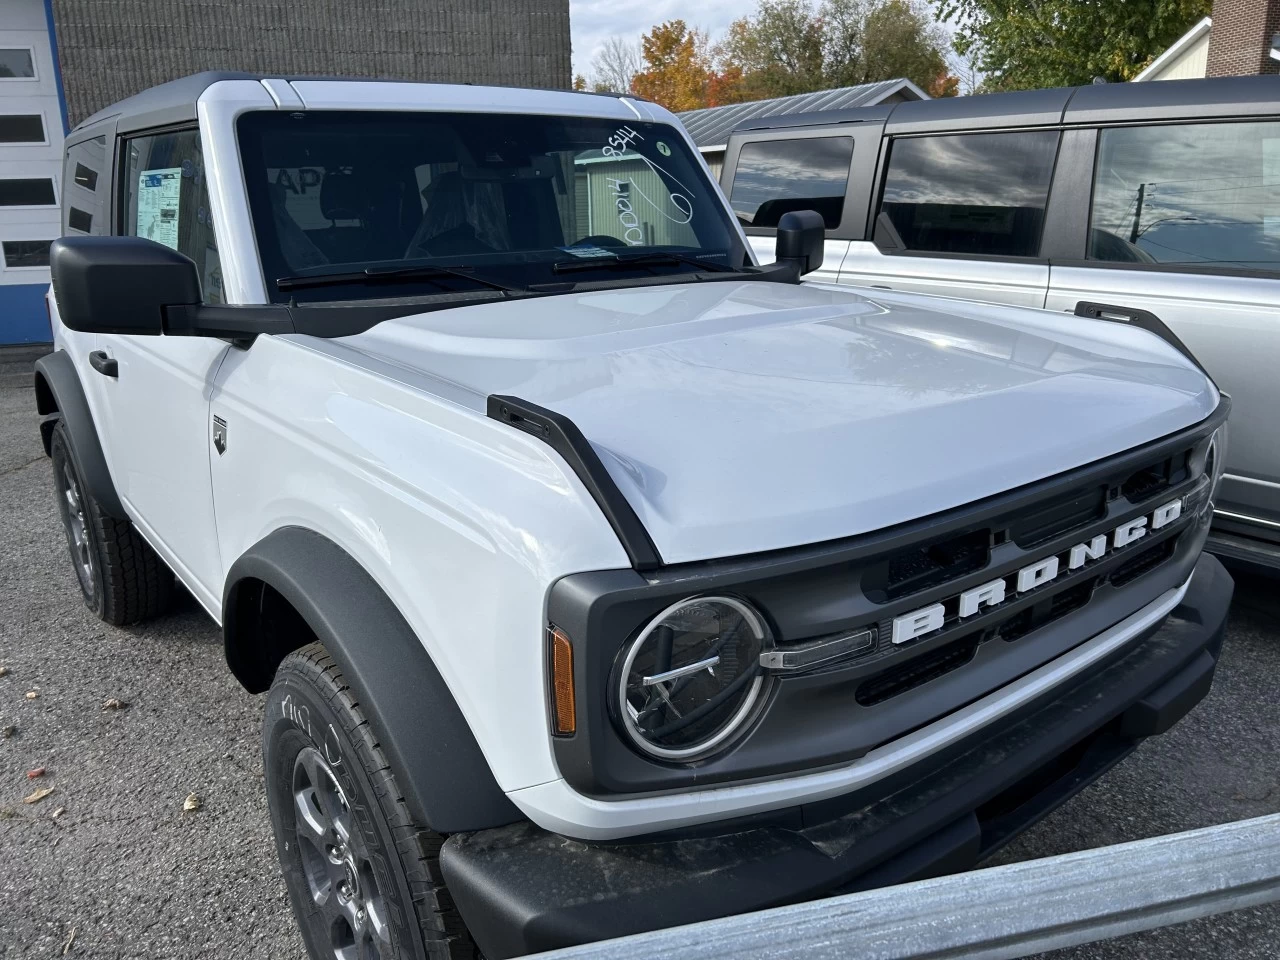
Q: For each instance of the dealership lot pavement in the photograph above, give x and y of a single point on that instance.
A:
(133, 875)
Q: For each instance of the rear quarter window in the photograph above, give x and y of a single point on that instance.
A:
(982, 194)
(774, 177)
(1206, 193)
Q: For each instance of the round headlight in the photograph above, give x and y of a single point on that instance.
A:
(692, 678)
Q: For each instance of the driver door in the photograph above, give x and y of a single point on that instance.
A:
(156, 427)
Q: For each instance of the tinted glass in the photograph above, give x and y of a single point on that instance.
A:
(774, 177)
(26, 253)
(166, 200)
(1204, 193)
(78, 219)
(21, 128)
(508, 197)
(980, 194)
(26, 193)
(16, 63)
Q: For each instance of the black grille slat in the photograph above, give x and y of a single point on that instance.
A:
(914, 673)
(927, 565)
(1145, 561)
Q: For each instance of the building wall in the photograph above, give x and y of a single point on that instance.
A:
(1190, 64)
(1241, 39)
(24, 26)
(113, 48)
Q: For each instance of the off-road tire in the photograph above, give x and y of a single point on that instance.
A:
(310, 708)
(121, 578)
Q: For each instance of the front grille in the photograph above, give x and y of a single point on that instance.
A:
(939, 561)
(1146, 483)
(927, 565)
(1145, 561)
(916, 672)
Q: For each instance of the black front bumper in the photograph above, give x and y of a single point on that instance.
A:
(523, 890)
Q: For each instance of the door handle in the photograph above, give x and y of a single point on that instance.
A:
(107, 366)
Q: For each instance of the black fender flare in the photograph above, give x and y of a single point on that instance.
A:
(447, 781)
(59, 394)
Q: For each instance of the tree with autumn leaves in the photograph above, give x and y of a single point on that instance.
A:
(785, 47)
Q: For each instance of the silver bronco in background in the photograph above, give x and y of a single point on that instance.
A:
(1151, 203)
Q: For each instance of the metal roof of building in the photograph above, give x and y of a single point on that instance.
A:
(710, 127)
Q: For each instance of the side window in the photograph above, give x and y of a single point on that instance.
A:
(86, 179)
(1201, 193)
(165, 199)
(774, 177)
(16, 64)
(982, 194)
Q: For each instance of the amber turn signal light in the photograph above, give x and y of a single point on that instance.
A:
(564, 715)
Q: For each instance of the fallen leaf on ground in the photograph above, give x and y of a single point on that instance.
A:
(191, 804)
(7, 732)
(7, 813)
(59, 812)
(70, 940)
(33, 694)
(38, 795)
(4, 671)
(37, 772)
(112, 703)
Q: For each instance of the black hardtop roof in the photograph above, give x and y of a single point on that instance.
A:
(175, 101)
(1096, 103)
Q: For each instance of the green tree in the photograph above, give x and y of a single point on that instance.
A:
(791, 46)
(1024, 44)
(778, 50)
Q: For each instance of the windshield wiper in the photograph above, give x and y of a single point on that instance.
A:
(393, 274)
(635, 260)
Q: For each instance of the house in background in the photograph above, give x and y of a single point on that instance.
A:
(1235, 40)
(32, 125)
(1187, 59)
(711, 126)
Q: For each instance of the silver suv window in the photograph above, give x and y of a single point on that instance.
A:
(980, 193)
(774, 177)
(1200, 193)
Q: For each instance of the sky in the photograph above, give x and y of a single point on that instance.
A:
(592, 22)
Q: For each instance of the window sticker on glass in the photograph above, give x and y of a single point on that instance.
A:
(588, 251)
(159, 193)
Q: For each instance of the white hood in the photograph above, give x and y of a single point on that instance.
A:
(738, 417)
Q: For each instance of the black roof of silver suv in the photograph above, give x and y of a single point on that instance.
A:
(1097, 103)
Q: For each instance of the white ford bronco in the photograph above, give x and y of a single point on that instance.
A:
(601, 579)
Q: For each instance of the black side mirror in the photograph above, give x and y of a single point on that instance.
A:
(119, 284)
(801, 239)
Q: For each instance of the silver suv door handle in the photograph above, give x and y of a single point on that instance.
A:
(105, 365)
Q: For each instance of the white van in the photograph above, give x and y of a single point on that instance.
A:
(1121, 201)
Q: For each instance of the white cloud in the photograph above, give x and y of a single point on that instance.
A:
(592, 22)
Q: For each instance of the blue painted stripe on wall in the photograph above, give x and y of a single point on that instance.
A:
(23, 318)
(57, 64)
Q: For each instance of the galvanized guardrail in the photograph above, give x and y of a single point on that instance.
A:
(998, 912)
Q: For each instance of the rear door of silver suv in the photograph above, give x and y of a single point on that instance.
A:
(1184, 221)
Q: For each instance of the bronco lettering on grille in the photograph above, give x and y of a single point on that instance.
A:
(993, 592)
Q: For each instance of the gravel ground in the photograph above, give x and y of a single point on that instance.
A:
(130, 874)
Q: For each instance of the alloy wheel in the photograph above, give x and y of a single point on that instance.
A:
(336, 864)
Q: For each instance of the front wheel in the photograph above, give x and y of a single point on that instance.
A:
(364, 878)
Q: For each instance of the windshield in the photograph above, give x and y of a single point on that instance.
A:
(509, 198)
